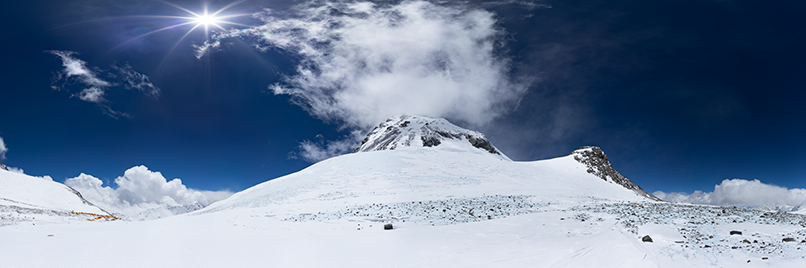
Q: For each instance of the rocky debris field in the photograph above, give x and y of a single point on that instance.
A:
(702, 228)
(699, 226)
(12, 215)
(434, 212)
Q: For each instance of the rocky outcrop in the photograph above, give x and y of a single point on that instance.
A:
(3, 167)
(596, 161)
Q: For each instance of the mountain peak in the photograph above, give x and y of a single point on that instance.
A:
(596, 161)
(418, 131)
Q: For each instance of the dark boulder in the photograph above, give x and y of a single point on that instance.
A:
(388, 226)
(735, 232)
(646, 238)
(789, 239)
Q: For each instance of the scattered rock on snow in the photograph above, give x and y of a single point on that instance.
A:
(735, 232)
(646, 238)
(789, 239)
(388, 226)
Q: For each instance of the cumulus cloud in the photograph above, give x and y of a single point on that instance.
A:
(95, 82)
(361, 62)
(143, 194)
(742, 193)
(3, 149)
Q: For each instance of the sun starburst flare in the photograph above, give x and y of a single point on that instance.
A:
(196, 20)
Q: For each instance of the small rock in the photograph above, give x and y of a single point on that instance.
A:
(388, 226)
(764, 258)
(789, 239)
(735, 232)
(646, 238)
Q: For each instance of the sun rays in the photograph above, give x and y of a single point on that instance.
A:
(204, 20)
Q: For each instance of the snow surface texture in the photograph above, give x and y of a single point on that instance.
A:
(451, 205)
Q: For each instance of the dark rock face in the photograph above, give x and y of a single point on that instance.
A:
(646, 238)
(598, 165)
(735, 233)
(3, 167)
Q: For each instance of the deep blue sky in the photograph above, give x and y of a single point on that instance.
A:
(679, 94)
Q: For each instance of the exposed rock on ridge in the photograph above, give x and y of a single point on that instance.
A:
(406, 130)
(3, 167)
(596, 161)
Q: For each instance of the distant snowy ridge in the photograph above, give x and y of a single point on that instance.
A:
(596, 161)
(26, 198)
(162, 212)
(418, 131)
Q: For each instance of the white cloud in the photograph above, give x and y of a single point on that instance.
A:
(315, 151)
(142, 194)
(78, 68)
(742, 193)
(94, 87)
(92, 94)
(361, 63)
(136, 80)
(3, 149)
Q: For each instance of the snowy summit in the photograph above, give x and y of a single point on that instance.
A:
(418, 131)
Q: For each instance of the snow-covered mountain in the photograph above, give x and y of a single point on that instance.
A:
(23, 198)
(418, 131)
(419, 158)
(422, 192)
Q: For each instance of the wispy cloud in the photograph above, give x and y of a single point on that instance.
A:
(141, 193)
(321, 149)
(134, 80)
(76, 68)
(95, 82)
(361, 62)
(743, 193)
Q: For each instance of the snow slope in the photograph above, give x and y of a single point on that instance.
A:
(23, 197)
(450, 205)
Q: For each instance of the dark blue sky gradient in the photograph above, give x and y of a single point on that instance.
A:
(679, 94)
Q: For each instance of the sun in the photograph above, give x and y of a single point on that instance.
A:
(195, 20)
(207, 20)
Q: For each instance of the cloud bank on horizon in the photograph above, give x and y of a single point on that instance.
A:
(95, 85)
(360, 63)
(143, 194)
(741, 193)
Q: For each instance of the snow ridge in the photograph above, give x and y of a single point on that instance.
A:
(596, 161)
(417, 131)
